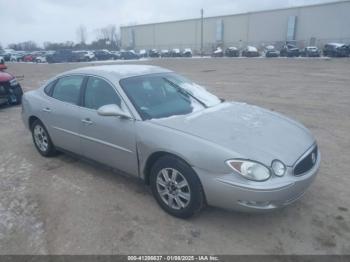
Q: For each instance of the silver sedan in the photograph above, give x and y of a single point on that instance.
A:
(191, 147)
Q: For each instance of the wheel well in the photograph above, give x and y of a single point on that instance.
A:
(31, 121)
(152, 159)
(150, 162)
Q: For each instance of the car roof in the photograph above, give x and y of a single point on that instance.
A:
(118, 71)
(336, 44)
(252, 48)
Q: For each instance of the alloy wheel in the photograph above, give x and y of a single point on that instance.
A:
(173, 188)
(41, 138)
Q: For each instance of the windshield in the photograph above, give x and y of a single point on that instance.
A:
(166, 94)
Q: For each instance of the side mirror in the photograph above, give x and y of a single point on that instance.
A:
(112, 110)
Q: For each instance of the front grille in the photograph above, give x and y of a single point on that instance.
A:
(307, 163)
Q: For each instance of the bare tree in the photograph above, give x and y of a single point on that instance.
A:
(109, 34)
(82, 34)
(26, 46)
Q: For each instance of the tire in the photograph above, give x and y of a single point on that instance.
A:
(46, 149)
(182, 190)
(18, 100)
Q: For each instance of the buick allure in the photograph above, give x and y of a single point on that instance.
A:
(191, 147)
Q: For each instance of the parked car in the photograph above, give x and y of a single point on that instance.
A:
(40, 59)
(115, 55)
(90, 56)
(270, 51)
(289, 50)
(310, 51)
(79, 56)
(250, 51)
(143, 53)
(153, 53)
(153, 124)
(175, 52)
(2, 60)
(62, 56)
(29, 58)
(103, 55)
(165, 53)
(18, 56)
(10, 90)
(128, 55)
(84, 56)
(6, 55)
(336, 50)
(218, 52)
(232, 52)
(187, 52)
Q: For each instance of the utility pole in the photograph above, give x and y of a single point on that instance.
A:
(202, 13)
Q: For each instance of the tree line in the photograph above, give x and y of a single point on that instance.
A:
(106, 38)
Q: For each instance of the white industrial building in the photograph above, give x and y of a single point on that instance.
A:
(306, 25)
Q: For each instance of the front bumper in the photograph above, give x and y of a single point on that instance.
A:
(10, 94)
(225, 191)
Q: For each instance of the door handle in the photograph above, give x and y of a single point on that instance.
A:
(87, 121)
(46, 109)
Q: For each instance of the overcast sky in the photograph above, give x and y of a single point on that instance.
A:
(58, 20)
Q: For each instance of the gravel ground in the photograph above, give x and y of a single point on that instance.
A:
(64, 205)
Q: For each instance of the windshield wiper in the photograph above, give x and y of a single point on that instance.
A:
(184, 92)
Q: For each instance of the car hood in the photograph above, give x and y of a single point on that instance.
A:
(4, 77)
(250, 132)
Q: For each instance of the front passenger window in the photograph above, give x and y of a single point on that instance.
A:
(99, 93)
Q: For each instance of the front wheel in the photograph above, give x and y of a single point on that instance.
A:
(42, 140)
(176, 187)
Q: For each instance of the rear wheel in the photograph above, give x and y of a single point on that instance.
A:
(42, 140)
(176, 187)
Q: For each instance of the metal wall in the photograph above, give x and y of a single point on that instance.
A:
(315, 24)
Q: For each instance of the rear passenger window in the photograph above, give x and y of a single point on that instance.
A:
(99, 93)
(67, 89)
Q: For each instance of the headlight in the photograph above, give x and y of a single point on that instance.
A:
(250, 170)
(13, 82)
(278, 168)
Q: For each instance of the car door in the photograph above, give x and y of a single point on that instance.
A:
(62, 113)
(107, 139)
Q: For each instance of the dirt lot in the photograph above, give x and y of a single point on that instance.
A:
(64, 205)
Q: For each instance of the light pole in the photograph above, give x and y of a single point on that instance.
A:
(202, 13)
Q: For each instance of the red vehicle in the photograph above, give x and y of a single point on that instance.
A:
(29, 58)
(10, 90)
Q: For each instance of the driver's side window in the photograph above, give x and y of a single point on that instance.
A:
(99, 93)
